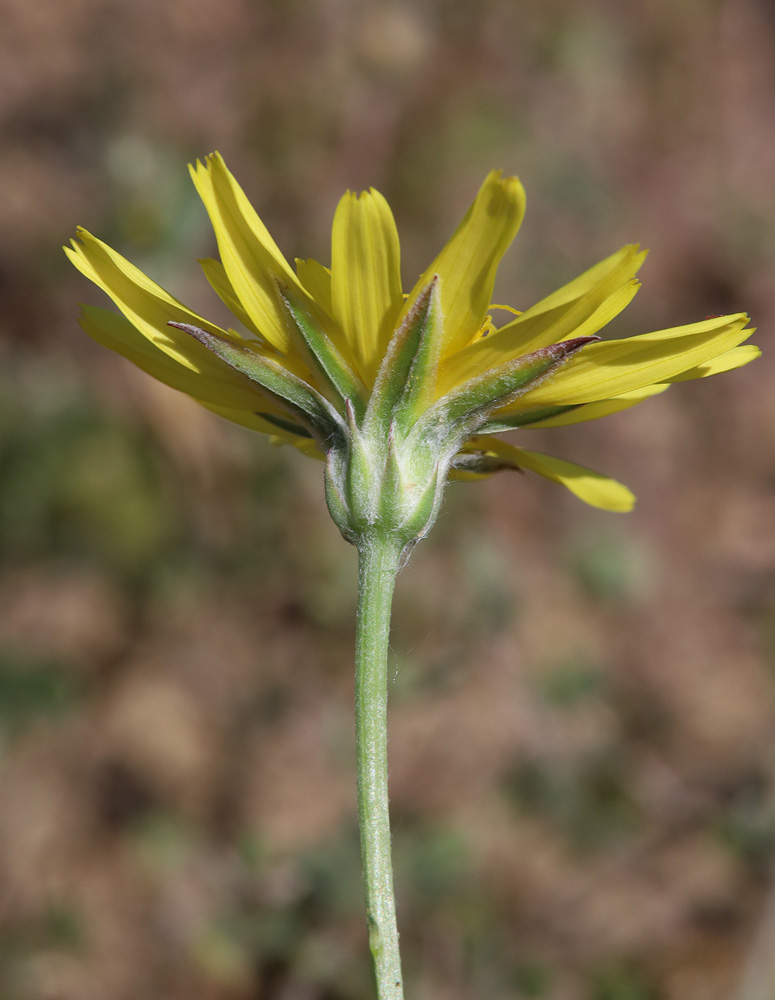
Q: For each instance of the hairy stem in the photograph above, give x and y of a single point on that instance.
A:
(379, 556)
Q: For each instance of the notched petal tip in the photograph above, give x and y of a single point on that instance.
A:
(82, 236)
(470, 258)
(512, 188)
(497, 176)
(214, 159)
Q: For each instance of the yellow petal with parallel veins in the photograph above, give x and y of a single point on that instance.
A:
(617, 267)
(317, 280)
(579, 309)
(468, 262)
(726, 362)
(366, 295)
(149, 308)
(729, 361)
(587, 485)
(602, 408)
(560, 314)
(219, 386)
(251, 258)
(610, 368)
(218, 279)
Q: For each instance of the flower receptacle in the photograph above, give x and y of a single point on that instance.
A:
(392, 486)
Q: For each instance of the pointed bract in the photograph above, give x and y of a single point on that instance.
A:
(497, 388)
(302, 399)
(408, 369)
(324, 355)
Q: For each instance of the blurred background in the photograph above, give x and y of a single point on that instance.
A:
(582, 721)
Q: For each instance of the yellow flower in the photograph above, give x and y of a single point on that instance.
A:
(341, 364)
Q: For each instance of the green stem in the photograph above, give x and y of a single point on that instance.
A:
(379, 557)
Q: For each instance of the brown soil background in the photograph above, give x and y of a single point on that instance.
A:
(582, 724)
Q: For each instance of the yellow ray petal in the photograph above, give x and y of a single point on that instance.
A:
(468, 262)
(216, 275)
(317, 280)
(602, 408)
(579, 309)
(726, 362)
(218, 387)
(609, 368)
(250, 257)
(617, 268)
(149, 308)
(366, 295)
(560, 314)
(591, 487)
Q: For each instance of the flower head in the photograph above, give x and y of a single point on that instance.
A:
(398, 392)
